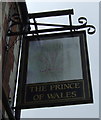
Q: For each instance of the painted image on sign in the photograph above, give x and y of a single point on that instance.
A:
(54, 60)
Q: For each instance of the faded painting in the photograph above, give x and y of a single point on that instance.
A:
(54, 60)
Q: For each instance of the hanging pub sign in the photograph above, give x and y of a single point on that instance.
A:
(56, 71)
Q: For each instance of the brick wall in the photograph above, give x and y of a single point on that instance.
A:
(10, 52)
(10, 57)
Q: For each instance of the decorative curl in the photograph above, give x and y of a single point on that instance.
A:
(91, 30)
(82, 20)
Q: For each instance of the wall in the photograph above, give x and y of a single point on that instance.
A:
(9, 57)
(11, 46)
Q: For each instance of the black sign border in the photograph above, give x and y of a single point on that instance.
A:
(86, 70)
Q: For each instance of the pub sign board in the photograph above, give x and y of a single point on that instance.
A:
(56, 71)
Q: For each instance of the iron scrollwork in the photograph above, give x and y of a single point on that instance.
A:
(83, 21)
(16, 21)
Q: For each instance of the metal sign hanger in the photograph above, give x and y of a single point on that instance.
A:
(58, 27)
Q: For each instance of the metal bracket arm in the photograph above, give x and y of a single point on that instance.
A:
(82, 20)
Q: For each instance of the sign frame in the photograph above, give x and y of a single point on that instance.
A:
(83, 85)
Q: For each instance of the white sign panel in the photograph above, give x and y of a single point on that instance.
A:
(54, 60)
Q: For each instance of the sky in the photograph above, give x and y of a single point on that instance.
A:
(90, 10)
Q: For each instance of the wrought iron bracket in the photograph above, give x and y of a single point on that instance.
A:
(82, 20)
(14, 24)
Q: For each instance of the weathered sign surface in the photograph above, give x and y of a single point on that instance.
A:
(57, 71)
